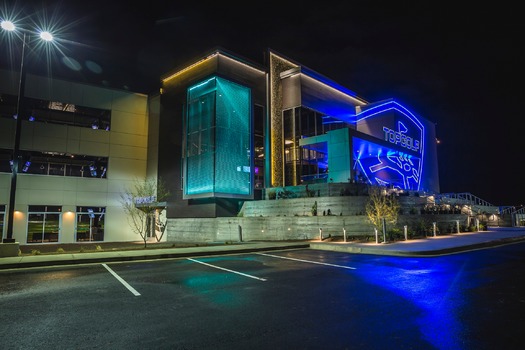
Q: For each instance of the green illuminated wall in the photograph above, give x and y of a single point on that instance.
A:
(218, 140)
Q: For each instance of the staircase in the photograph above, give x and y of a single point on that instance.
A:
(476, 204)
(503, 216)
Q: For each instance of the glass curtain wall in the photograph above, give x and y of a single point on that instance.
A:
(218, 159)
(200, 139)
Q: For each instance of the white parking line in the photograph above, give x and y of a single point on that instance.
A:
(131, 289)
(222, 268)
(309, 261)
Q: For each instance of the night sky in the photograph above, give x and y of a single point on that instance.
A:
(459, 68)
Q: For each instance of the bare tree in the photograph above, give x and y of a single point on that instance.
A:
(140, 202)
(381, 206)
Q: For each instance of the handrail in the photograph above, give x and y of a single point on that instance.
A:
(465, 198)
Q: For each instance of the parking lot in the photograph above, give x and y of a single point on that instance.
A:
(299, 298)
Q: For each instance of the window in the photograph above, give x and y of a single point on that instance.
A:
(43, 224)
(57, 112)
(56, 163)
(90, 224)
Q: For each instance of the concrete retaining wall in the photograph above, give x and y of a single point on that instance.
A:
(292, 219)
(293, 228)
(265, 228)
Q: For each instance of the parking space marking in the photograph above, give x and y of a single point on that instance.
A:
(130, 288)
(222, 268)
(308, 261)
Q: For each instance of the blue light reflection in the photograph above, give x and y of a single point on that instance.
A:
(432, 285)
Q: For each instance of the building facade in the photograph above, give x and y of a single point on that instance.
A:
(80, 146)
(221, 131)
(230, 129)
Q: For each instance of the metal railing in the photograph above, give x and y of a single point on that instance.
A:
(464, 198)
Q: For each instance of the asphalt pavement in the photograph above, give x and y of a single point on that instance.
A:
(430, 246)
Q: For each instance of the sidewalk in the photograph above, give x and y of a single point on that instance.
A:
(432, 246)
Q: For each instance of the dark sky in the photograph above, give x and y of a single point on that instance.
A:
(461, 68)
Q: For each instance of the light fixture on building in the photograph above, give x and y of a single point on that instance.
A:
(93, 170)
(26, 166)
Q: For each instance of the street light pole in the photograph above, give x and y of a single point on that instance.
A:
(20, 111)
(16, 149)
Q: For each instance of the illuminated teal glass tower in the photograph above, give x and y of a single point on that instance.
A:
(218, 146)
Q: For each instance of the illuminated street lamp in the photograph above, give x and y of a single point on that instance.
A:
(46, 36)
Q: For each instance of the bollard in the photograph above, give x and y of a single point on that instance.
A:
(406, 233)
(344, 234)
(320, 234)
(377, 237)
(384, 230)
(434, 227)
(457, 226)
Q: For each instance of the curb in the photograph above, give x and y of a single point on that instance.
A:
(418, 253)
(79, 259)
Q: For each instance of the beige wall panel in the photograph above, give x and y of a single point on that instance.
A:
(36, 182)
(45, 129)
(94, 148)
(69, 198)
(5, 185)
(94, 185)
(26, 135)
(92, 135)
(125, 169)
(77, 95)
(128, 152)
(10, 81)
(91, 198)
(129, 123)
(22, 198)
(129, 102)
(7, 132)
(44, 196)
(117, 187)
(49, 144)
(67, 233)
(96, 97)
(46, 89)
(73, 132)
(73, 146)
(20, 227)
(124, 139)
(115, 193)
(117, 227)
(71, 183)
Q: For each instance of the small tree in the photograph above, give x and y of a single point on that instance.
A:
(314, 209)
(381, 206)
(140, 202)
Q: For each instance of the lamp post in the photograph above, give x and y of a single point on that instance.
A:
(46, 36)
